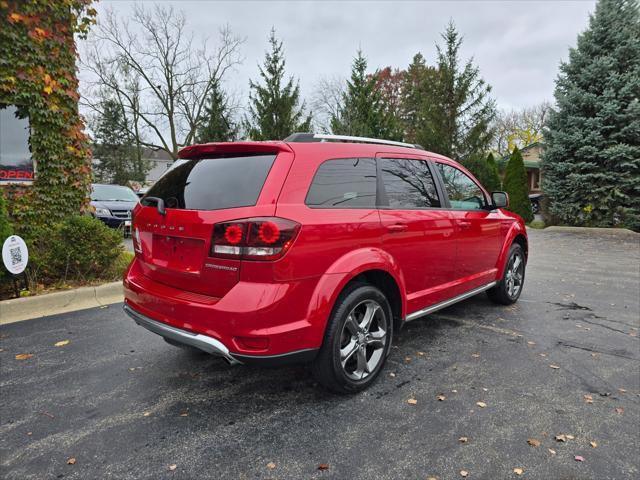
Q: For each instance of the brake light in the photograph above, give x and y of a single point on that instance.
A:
(263, 238)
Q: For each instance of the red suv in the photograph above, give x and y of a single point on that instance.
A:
(315, 249)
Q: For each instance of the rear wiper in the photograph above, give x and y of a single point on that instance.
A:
(158, 201)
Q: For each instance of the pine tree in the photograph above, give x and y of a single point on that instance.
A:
(515, 184)
(114, 148)
(217, 125)
(493, 181)
(418, 98)
(363, 112)
(458, 123)
(591, 162)
(275, 111)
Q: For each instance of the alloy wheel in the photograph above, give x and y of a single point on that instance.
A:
(363, 340)
(514, 275)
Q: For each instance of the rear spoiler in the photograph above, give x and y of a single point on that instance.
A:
(223, 148)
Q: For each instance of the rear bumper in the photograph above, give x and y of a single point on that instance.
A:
(254, 323)
(201, 342)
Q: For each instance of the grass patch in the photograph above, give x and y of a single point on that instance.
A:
(537, 224)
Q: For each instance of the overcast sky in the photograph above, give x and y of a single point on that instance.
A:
(517, 44)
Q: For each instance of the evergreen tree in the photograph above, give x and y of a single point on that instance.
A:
(363, 112)
(477, 164)
(591, 162)
(493, 181)
(275, 111)
(458, 122)
(217, 124)
(516, 185)
(418, 98)
(114, 148)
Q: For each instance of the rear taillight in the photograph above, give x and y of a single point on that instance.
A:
(264, 238)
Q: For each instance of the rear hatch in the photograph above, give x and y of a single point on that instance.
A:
(215, 183)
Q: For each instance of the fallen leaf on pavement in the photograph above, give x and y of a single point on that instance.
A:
(622, 390)
(172, 467)
(533, 442)
(61, 343)
(561, 438)
(555, 367)
(463, 439)
(593, 444)
(518, 471)
(588, 398)
(271, 465)
(454, 391)
(543, 354)
(407, 359)
(619, 410)
(531, 343)
(481, 404)
(184, 414)
(323, 466)
(24, 356)
(464, 473)
(578, 458)
(569, 437)
(421, 354)
(146, 414)
(441, 398)
(392, 374)
(412, 401)
(551, 451)
(71, 461)
(475, 355)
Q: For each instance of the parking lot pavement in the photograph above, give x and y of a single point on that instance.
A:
(124, 404)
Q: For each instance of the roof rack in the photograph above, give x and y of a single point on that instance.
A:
(322, 137)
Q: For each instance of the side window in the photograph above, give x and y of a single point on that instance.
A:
(464, 193)
(408, 183)
(344, 183)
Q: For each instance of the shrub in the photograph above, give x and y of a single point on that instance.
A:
(515, 184)
(5, 228)
(493, 181)
(80, 248)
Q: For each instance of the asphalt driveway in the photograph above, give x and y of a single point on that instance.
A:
(564, 361)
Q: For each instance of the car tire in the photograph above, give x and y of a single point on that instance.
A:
(508, 289)
(357, 340)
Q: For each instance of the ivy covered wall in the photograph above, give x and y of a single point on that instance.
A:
(38, 75)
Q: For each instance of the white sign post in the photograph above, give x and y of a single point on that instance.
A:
(15, 257)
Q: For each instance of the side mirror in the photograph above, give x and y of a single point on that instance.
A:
(500, 199)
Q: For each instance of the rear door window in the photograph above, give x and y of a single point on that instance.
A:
(344, 183)
(408, 184)
(213, 183)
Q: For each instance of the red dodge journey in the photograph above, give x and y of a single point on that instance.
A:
(315, 249)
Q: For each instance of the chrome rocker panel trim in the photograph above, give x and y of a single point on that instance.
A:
(446, 303)
(201, 342)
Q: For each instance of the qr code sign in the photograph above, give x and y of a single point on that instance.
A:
(16, 255)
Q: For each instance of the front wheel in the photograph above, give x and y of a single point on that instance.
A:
(509, 288)
(357, 340)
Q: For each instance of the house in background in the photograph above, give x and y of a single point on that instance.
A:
(531, 154)
(159, 162)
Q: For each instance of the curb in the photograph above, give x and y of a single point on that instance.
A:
(593, 230)
(18, 309)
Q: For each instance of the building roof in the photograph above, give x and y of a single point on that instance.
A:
(527, 163)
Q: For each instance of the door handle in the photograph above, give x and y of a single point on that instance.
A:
(398, 227)
(464, 224)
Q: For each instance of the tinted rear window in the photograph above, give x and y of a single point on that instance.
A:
(344, 183)
(213, 183)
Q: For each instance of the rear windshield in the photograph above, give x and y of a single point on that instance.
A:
(213, 183)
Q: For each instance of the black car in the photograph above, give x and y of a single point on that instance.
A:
(113, 205)
(536, 200)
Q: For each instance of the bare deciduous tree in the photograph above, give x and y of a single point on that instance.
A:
(519, 128)
(326, 101)
(153, 68)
